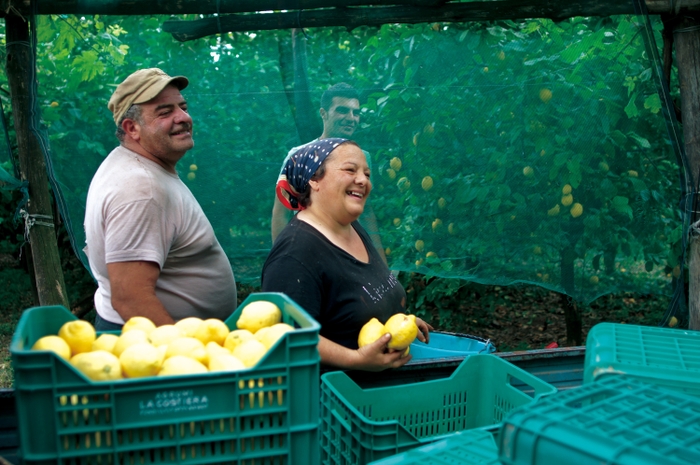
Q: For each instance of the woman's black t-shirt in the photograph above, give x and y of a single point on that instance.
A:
(337, 290)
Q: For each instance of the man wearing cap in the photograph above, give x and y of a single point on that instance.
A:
(150, 247)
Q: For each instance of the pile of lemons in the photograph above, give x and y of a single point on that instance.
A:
(189, 346)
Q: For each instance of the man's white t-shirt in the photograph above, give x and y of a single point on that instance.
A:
(138, 211)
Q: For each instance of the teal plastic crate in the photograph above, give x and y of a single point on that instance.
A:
(361, 425)
(616, 421)
(473, 447)
(664, 356)
(265, 414)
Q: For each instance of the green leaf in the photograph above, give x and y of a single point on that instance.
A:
(644, 143)
(631, 108)
(653, 103)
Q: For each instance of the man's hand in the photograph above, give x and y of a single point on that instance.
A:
(133, 287)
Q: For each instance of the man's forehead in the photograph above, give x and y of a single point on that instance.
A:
(345, 102)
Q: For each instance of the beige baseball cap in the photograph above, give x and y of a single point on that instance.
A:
(140, 87)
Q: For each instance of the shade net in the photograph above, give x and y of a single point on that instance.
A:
(502, 152)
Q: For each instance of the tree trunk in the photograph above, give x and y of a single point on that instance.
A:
(306, 115)
(50, 285)
(572, 314)
(687, 41)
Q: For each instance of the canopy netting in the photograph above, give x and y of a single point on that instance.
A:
(502, 152)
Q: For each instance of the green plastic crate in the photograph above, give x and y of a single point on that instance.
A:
(265, 414)
(359, 426)
(664, 356)
(616, 421)
(473, 447)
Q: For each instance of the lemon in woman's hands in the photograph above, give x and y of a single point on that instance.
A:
(370, 332)
(403, 330)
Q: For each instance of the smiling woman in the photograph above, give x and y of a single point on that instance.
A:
(325, 261)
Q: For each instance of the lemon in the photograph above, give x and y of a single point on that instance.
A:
(387, 251)
(79, 335)
(672, 322)
(140, 360)
(165, 334)
(420, 245)
(427, 183)
(603, 166)
(212, 329)
(191, 176)
(431, 255)
(397, 222)
(528, 171)
(99, 365)
(567, 200)
(437, 222)
(428, 129)
(566, 190)
(633, 174)
(395, 164)
(213, 349)
(452, 229)
(594, 280)
(415, 139)
(128, 339)
(501, 55)
(576, 210)
(545, 95)
(193, 167)
(236, 337)
(273, 333)
(225, 362)
(181, 365)
(54, 104)
(442, 203)
(189, 347)
(259, 314)
(403, 184)
(391, 173)
(55, 344)
(370, 332)
(189, 325)
(138, 322)
(105, 341)
(554, 211)
(250, 352)
(403, 330)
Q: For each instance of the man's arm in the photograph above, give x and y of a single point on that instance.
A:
(133, 287)
(369, 220)
(280, 218)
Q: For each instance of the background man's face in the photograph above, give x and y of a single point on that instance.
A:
(342, 118)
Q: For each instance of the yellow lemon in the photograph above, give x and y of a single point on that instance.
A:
(633, 174)
(105, 341)
(403, 330)
(189, 325)
(387, 251)
(140, 360)
(391, 173)
(55, 344)
(181, 365)
(427, 183)
(486, 69)
(528, 171)
(250, 352)
(415, 139)
(397, 222)
(79, 335)
(428, 129)
(258, 314)
(191, 176)
(603, 166)
(193, 167)
(451, 228)
(165, 334)
(672, 322)
(395, 164)
(99, 365)
(370, 332)
(437, 222)
(545, 95)
(139, 322)
(567, 200)
(128, 339)
(566, 190)
(554, 211)
(189, 347)
(54, 104)
(403, 184)
(420, 245)
(225, 362)
(501, 55)
(212, 329)
(442, 203)
(576, 210)
(236, 337)
(273, 333)
(431, 255)
(213, 349)
(594, 280)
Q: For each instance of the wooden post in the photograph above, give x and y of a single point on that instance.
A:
(50, 285)
(687, 41)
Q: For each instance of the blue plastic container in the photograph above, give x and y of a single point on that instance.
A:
(449, 345)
